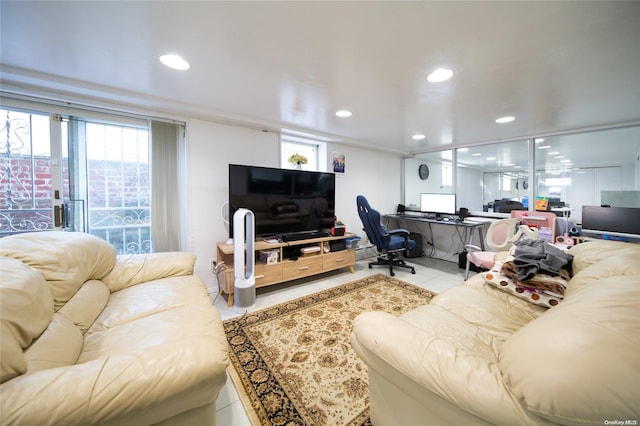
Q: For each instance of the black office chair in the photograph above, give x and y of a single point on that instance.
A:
(390, 244)
(507, 206)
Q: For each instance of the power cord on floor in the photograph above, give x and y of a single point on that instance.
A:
(216, 270)
(219, 268)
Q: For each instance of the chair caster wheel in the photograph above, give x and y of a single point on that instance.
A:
(413, 271)
(370, 267)
(392, 274)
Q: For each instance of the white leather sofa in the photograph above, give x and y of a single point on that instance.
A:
(89, 337)
(477, 355)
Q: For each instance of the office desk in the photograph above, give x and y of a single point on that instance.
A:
(467, 226)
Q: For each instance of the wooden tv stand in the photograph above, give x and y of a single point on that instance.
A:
(286, 269)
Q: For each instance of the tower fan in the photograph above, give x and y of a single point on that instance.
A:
(244, 286)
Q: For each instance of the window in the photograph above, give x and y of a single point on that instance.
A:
(506, 183)
(447, 174)
(118, 182)
(307, 149)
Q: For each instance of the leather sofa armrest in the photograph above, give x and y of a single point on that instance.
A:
(134, 269)
(128, 389)
(445, 355)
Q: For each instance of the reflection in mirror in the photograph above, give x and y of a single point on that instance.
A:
(589, 169)
(490, 173)
(439, 180)
(578, 169)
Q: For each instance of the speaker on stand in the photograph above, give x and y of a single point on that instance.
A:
(244, 284)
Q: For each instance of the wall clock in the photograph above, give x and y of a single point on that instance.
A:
(423, 171)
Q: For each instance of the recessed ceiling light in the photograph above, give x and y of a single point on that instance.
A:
(553, 153)
(559, 156)
(463, 149)
(476, 154)
(544, 147)
(343, 113)
(538, 140)
(440, 75)
(418, 137)
(491, 158)
(174, 61)
(503, 120)
(565, 161)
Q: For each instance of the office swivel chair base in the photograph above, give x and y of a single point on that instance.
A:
(391, 262)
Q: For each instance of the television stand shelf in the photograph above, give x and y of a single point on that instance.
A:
(291, 263)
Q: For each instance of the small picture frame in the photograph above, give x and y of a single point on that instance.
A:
(338, 162)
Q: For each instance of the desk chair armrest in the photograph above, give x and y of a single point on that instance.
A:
(399, 231)
(470, 248)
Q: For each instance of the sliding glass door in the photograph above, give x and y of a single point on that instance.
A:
(68, 173)
(29, 175)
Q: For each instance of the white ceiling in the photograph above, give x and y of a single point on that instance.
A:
(288, 66)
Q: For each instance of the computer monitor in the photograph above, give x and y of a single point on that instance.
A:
(438, 203)
(600, 220)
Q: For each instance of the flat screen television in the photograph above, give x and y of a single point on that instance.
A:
(283, 201)
(438, 203)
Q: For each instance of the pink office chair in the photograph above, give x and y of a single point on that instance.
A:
(499, 238)
(500, 235)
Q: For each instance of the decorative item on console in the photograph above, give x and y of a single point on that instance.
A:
(269, 257)
(564, 240)
(338, 229)
(297, 160)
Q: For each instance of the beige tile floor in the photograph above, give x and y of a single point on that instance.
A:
(432, 274)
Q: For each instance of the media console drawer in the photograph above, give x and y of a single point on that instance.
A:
(292, 269)
(268, 274)
(338, 259)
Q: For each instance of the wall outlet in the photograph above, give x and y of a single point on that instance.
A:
(213, 264)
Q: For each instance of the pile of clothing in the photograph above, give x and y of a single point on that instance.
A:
(539, 265)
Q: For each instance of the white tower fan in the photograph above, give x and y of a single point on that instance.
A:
(244, 285)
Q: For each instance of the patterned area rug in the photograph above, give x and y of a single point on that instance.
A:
(293, 363)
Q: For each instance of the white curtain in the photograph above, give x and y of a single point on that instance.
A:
(165, 206)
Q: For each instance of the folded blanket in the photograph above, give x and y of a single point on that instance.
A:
(534, 256)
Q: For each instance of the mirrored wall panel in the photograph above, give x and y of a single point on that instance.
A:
(493, 175)
(589, 169)
(427, 173)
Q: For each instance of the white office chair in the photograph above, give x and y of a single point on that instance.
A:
(500, 235)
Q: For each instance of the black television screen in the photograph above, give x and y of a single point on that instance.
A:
(282, 200)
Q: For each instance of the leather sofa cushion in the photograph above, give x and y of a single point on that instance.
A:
(85, 306)
(136, 268)
(611, 266)
(146, 299)
(492, 310)
(594, 251)
(27, 309)
(581, 364)
(58, 346)
(66, 260)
